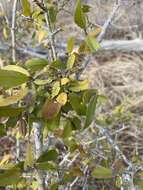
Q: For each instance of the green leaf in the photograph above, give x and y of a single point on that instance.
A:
(55, 89)
(70, 44)
(88, 94)
(53, 11)
(102, 173)
(77, 86)
(10, 78)
(40, 82)
(17, 69)
(14, 98)
(36, 64)
(76, 122)
(58, 64)
(10, 112)
(79, 16)
(10, 177)
(26, 8)
(77, 104)
(86, 8)
(53, 123)
(71, 61)
(67, 129)
(92, 43)
(90, 113)
(46, 166)
(29, 158)
(2, 130)
(51, 155)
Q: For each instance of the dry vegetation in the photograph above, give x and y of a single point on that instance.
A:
(118, 75)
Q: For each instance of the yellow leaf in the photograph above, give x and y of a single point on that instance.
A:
(64, 81)
(62, 98)
(41, 35)
(6, 159)
(14, 98)
(95, 32)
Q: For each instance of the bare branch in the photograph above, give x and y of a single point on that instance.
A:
(13, 30)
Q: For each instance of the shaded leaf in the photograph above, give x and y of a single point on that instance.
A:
(10, 112)
(67, 129)
(90, 113)
(46, 166)
(10, 78)
(50, 109)
(77, 104)
(51, 155)
(102, 173)
(36, 64)
(10, 177)
(86, 8)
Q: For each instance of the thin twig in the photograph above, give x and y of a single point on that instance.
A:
(38, 151)
(13, 30)
(108, 22)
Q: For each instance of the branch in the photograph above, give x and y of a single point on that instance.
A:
(108, 22)
(13, 30)
(38, 151)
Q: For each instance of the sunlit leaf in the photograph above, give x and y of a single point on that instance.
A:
(14, 98)
(42, 34)
(62, 98)
(79, 16)
(70, 44)
(26, 7)
(29, 158)
(17, 69)
(95, 32)
(77, 86)
(40, 82)
(92, 43)
(64, 81)
(71, 61)
(55, 89)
